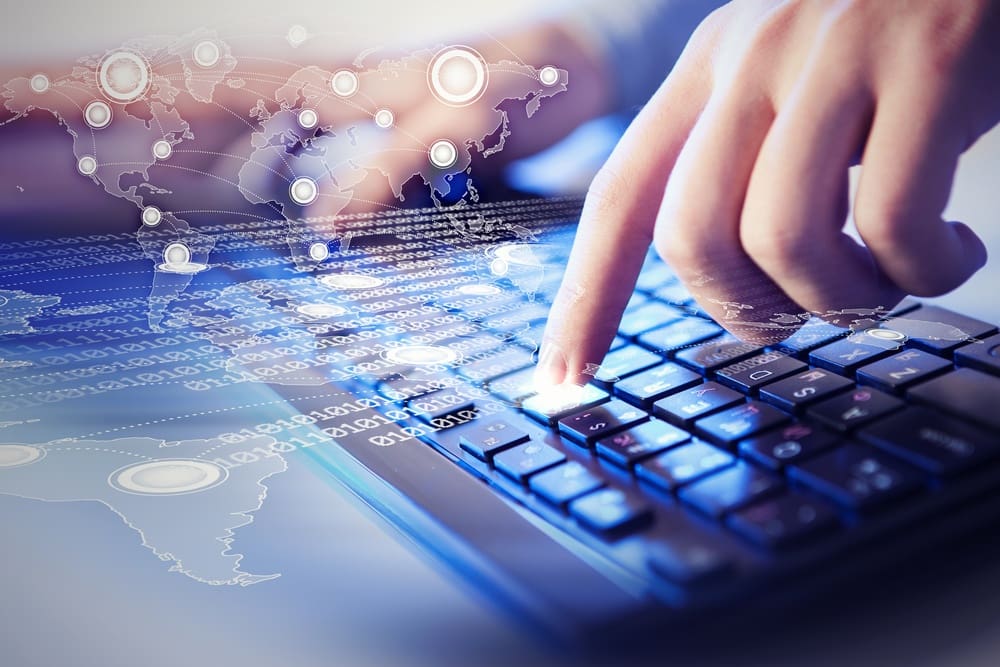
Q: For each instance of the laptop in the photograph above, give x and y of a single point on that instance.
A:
(696, 477)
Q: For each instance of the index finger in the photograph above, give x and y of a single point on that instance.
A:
(616, 225)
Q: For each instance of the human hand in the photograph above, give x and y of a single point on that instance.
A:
(737, 169)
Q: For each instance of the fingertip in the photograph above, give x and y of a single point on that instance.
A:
(550, 371)
(973, 247)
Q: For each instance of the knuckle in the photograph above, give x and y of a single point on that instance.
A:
(775, 243)
(881, 221)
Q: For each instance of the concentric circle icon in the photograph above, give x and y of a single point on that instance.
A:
(207, 54)
(123, 76)
(168, 477)
(303, 191)
(97, 114)
(443, 154)
(457, 75)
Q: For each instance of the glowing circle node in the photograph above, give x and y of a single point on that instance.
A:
(123, 76)
(351, 281)
(321, 311)
(162, 149)
(308, 118)
(319, 251)
(168, 477)
(480, 289)
(207, 53)
(548, 75)
(420, 355)
(151, 216)
(457, 75)
(443, 154)
(886, 334)
(297, 35)
(499, 267)
(12, 456)
(384, 118)
(39, 83)
(177, 254)
(87, 165)
(97, 114)
(303, 191)
(344, 83)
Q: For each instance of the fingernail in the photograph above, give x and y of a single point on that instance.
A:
(551, 368)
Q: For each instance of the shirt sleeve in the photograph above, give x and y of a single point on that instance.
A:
(638, 40)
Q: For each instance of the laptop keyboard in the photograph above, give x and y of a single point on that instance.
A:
(694, 458)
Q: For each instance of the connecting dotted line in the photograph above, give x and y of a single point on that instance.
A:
(51, 448)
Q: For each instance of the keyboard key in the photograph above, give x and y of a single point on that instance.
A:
(966, 393)
(715, 354)
(522, 461)
(936, 443)
(654, 276)
(749, 374)
(702, 400)
(621, 363)
(675, 293)
(648, 316)
(511, 358)
(434, 408)
(854, 408)
(550, 407)
(813, 333)
(563, 483)
(856, 477)
(800, 390)
(483, 440)
(844, 356)
(655, 383)
(610, 511)
(687, 559)
(732, 488)
(628, 447)
(788, 445)
(739, 422)
(689, 331)
(938, 330)
(683, 464)
(513, 388)
(983, 356)
(901, 370)
(601, 421)
(787, 519)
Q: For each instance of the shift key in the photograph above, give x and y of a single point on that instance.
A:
(965, 393)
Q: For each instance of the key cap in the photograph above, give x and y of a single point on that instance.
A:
(856, 477)
(844, 356)
(434, 408)
(793, 393)
(749, 374)
(626, 448)
(854, 408)
(965, 393)
(789, 518)
(902, 370)
(563, 483)
(689, 331)
(521, 461)
(514, 387)
(550, 407)
(739, 422)
(813, 334)
(654, 276)
(687, 559)
(483, 440)
(728, 490)
(655, 383)
(683, 464)
(511, 358)
(787, 445)
(621, 363)
(601, 421)
(983, 356)
(675, 293)
(702, 400)
(715, 354)
(936, 443)
(610, 511)
(938, 330)
(648, 316)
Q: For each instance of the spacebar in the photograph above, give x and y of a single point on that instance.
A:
(966, 393)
